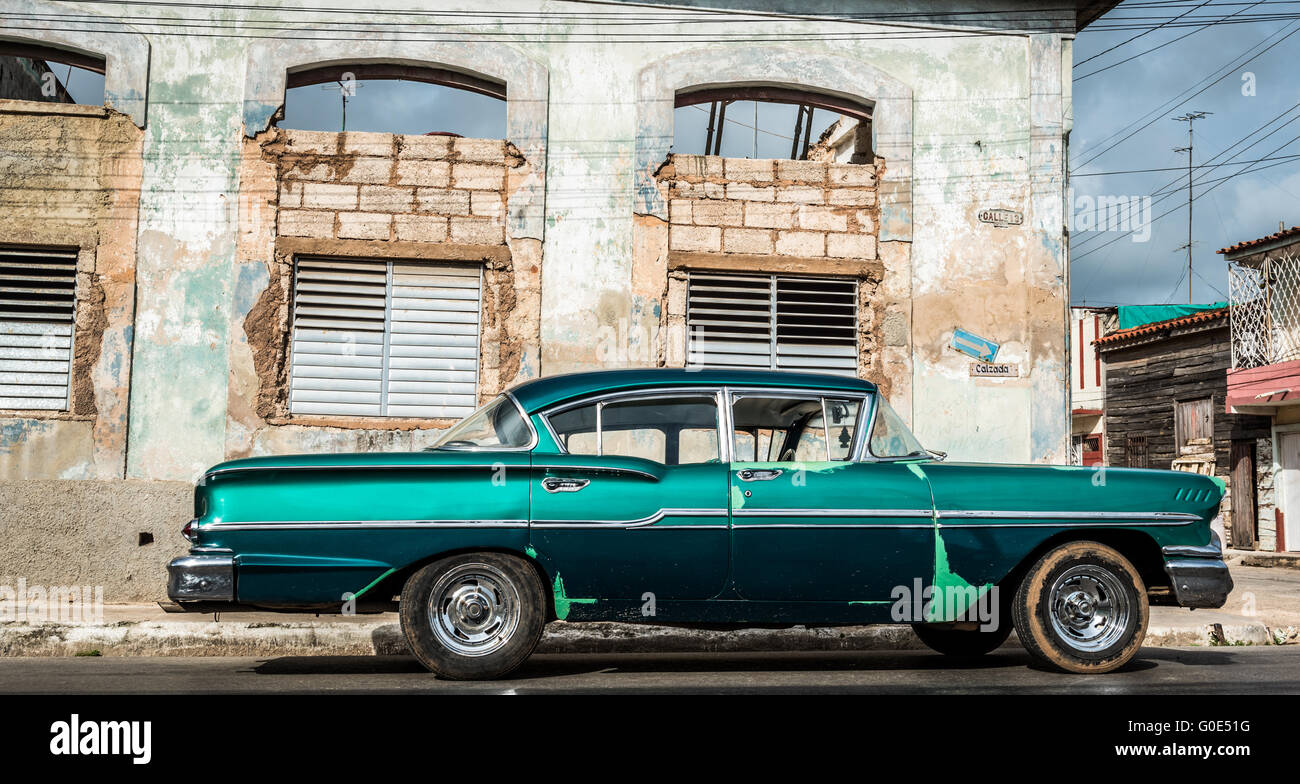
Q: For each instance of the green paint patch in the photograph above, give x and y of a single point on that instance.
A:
(915, 468)
(372, 584)
(563, 602)
(1222, 485)
(530, 552)
(952, 595)
(737, 498)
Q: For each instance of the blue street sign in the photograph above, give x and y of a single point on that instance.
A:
(973, 345)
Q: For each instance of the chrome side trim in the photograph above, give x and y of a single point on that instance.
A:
(1179, 517)
(680, 528)
(824, 526)
(639, 523)
(362, 467)
(833, 513)
(294, 525)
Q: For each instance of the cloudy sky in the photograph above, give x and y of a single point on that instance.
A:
(1111, 104)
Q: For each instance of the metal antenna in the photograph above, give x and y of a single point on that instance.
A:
(1189, 118)
(347, 88)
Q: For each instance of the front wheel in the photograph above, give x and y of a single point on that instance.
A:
(1082, 608)
(475, 616)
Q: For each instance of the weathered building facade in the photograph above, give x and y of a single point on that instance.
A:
(1264, 379)
(1166, 384)
(242, 288)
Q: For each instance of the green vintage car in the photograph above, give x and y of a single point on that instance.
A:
(715, 498)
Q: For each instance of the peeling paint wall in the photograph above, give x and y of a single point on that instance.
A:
(70, 178)
(586, 263)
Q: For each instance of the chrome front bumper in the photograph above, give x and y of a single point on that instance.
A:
(201, 578)
(1199, 576)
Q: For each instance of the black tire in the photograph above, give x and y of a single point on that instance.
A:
(1082, 608)
(962, 643)
(452, 640)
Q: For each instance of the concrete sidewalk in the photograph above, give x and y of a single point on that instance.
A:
(1264, 609)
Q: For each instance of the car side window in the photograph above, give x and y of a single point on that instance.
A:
(787, 429)
(669, 430)
(576, 429)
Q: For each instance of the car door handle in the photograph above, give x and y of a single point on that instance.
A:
(759, 474)
(557, 484)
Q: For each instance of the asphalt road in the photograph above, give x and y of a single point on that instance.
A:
(1218, 670)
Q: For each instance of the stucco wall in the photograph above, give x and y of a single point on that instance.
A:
(88, 533)
(962, 124)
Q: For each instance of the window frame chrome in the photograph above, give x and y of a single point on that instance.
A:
(865, 453)
(713, 391)
(802, 393)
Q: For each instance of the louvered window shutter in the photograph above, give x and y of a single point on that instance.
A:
(380, 338)
(37, 312)
(772, 322)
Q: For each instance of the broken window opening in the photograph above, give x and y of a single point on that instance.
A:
(49, 75)
(772, 122)
(399, 99)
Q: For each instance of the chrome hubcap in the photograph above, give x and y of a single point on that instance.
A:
(1089, 608)
(473, 609)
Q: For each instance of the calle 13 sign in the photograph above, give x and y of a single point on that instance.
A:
(1001, 218)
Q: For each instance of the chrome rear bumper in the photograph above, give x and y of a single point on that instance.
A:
(201, 578)
(1199, 576)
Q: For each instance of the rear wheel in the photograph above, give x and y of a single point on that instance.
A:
(1082, 608)
(962, 643)
(473, 616)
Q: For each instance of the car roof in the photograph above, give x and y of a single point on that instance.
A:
(547, 391)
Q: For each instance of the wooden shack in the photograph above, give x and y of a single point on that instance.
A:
(1165, 391)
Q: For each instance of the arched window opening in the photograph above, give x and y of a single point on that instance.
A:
(41, 73)
(399, 99)
(772, 122)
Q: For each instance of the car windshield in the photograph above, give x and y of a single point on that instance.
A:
(890, 436)
(497, 425)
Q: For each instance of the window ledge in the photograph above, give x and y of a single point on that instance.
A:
(13, 106)
(773, 264)
(363, 423)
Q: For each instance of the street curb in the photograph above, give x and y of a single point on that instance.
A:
(1275, 561)
(383, 637)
